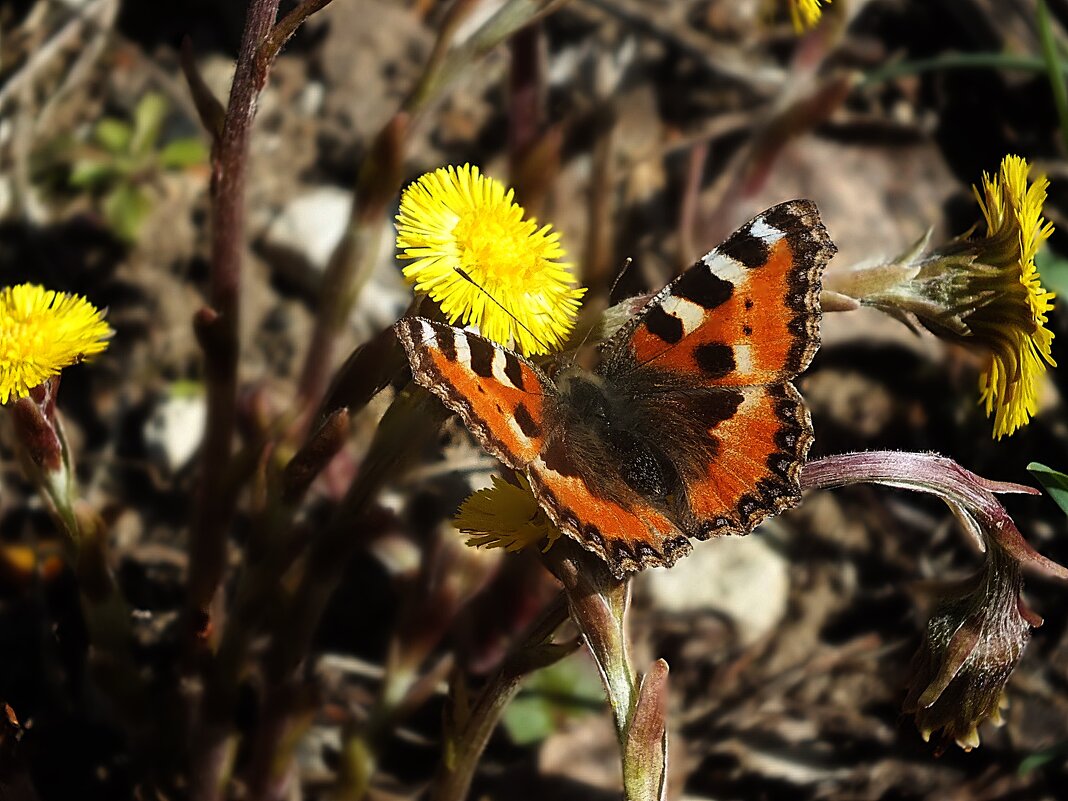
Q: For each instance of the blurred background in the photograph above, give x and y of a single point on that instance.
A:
(643, 129)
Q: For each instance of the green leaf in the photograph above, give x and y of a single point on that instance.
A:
(148, 123)
(125, 208)
(568, 689)
(1053, 481)
(113, 135)
(1048, 39)
(93, 173)
(1054, 271)
(182, 153)
(1044, 757)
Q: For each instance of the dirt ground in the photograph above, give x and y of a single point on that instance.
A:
(661, 129)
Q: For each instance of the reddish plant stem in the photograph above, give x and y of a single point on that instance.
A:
(690, 205)
(284, 31)
(218, 326)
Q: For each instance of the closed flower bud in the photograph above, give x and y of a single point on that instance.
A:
(974, 641)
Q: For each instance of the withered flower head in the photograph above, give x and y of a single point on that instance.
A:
(974, 641)
(981, 625)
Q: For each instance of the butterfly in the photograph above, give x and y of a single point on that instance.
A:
(688, 427)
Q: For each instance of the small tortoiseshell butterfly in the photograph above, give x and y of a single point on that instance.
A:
(688, 427)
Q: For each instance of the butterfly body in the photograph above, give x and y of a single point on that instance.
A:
(689, 425)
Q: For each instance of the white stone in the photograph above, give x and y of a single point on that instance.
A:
(174, 429)
(311, 225)
(742, 578)
(301, 239)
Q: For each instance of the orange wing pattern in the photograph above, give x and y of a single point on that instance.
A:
(747, 313)
(757, 465)
(627, 533)
(690, 426)
(498, 394)
(711, 356)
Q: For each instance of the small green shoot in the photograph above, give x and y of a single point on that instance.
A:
(124, 157)
(564, 691)
(1053, 481)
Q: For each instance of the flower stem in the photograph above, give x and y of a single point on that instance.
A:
(218, 326)
(598, 603)
(971, 497)
(471, 729)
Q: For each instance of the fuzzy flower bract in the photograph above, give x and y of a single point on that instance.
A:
(41, 332)
(475, 255)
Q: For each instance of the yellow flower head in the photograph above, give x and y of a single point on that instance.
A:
(982, 292)
(1013, 321)
(505, 516)
(805, 13)
(41, 332)
(483, 263)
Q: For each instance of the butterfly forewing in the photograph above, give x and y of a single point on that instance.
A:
(706, 365)
(500, 396)
(747, 313)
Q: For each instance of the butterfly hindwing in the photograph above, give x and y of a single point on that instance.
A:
(499, 395)
(625, 529)
(754, 461)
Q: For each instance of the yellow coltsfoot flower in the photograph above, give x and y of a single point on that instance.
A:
(983, 292)
(1014, 322)
(805, 13)
(475, 255)
(41, 332)
(505, 516)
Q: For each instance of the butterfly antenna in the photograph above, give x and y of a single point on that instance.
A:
(619, 277)
(622, 271)
(466, 276)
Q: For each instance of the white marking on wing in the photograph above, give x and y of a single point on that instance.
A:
(497, 367)
(724, 267)
(743, 359)
(689, 313)
(463, 349)
(427, 331)
(762, 230)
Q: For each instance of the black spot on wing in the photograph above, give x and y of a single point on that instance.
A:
(663, 325)
(513, 370)
(527, 424)
(481, 356)
(557, 459)
(715, 360)
(743, 247)
(781, 464)
(783, 217)
(717, 406)
(700, 286)
(446, 341)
